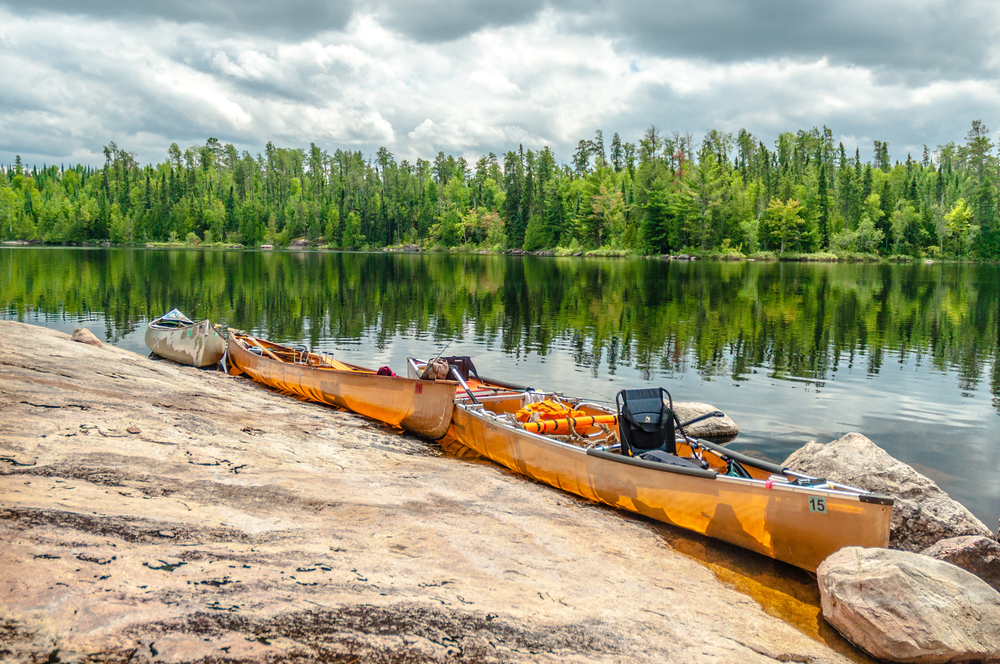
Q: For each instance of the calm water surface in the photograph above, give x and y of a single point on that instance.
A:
(906, 354)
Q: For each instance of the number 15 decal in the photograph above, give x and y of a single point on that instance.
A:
(817, 504)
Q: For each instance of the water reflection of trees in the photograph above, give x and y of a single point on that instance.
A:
(719, 319)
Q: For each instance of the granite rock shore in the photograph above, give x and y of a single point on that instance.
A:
(154, 512)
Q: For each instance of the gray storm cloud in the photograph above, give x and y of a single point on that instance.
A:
(291, 19)
(949, 39)
(942, 38)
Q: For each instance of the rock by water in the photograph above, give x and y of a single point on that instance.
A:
(974, 553)
(906, 607)
(85, 336)
(923, 513)
(713, 427)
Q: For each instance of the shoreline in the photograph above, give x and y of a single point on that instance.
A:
(547, 253)
(153, 510)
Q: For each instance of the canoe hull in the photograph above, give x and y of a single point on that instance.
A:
(198, 345)
(775, 521)
(422, 407)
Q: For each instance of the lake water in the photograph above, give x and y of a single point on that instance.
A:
(905, 354)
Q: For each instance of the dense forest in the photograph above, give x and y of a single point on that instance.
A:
(727, 195)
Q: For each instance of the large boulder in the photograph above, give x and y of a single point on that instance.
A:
(906, 607)
(923, 513)
(974, 553)
(713, 427)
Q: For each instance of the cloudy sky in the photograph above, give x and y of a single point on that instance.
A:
(470, 76)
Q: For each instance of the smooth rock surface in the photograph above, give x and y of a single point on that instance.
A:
(713, 427)
(85, 336)
(923, 513)
(906, 607)
(155, 512)
(974, 553)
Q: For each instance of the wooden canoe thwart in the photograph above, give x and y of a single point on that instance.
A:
(422, 407)
(574, 445)
(178, 338)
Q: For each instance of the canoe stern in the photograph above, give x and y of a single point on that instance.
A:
(199, 344)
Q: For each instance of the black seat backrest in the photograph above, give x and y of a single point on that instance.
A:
(645, 421)
(463, 364)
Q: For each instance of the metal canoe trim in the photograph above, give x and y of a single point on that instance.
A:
(876, 499)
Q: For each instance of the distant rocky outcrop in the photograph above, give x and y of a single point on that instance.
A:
(974, 553)
(906, 607)
(923, 513)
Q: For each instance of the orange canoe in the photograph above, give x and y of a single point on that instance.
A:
(422, 407)
(762, 507)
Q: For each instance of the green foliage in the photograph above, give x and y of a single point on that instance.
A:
(868, 238)
(352, 239)
(447, 232)
(784, 223)
(663, 195)
(958, 223)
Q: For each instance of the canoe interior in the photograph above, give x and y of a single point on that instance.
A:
(781, 514)
(418, 406)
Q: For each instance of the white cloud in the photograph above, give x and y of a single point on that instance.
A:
(72, 84)
(493, 82)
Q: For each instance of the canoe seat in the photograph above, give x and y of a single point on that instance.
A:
(646, 421)
(659, 456)
(463, 364)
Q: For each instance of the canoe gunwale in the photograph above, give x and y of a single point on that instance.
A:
(835, 489)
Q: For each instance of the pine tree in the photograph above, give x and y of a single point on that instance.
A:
(617, 156)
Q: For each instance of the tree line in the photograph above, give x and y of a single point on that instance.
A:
(725, 195)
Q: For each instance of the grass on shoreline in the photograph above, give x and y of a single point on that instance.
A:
(728, 254)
